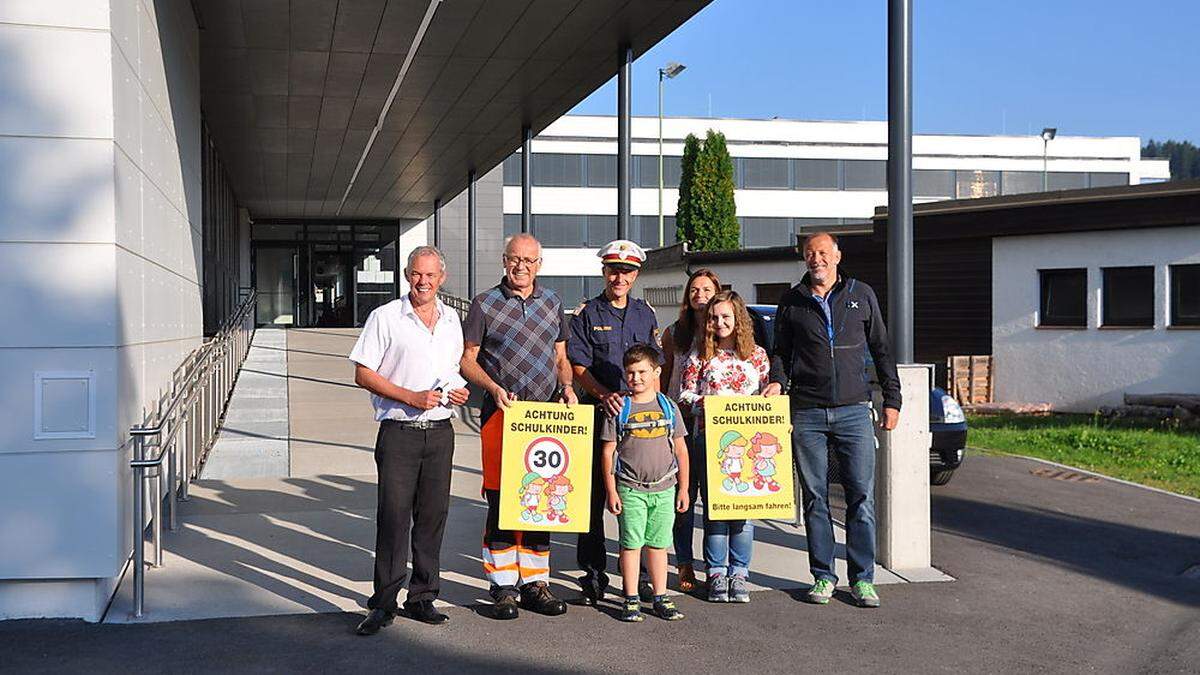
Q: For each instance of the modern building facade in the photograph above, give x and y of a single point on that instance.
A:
(157, 157)
(790, 176)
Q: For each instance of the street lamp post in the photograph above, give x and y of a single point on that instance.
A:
(671, 70)
(1047, 135)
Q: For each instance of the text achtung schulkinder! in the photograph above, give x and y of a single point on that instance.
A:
(550, 422)
(746, 414)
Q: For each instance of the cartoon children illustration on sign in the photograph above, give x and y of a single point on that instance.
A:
(732, 450)
(763, 448)
(532, 488)
(556, 502)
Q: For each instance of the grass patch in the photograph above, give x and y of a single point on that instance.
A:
(1148, 454)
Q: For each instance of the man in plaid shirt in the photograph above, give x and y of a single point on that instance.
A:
(515, 348)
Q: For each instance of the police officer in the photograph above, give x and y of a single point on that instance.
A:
(602, 329)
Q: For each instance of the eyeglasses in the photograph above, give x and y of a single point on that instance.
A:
(517, 260)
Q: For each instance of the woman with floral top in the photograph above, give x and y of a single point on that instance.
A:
(726, 362)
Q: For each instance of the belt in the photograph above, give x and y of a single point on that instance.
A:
(421, 425)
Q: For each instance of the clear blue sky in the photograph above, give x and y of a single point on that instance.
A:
(1089, 67)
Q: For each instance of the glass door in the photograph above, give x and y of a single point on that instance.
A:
(275, 270)
(374, 279)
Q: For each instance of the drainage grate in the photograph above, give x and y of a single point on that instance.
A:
(1064, 475)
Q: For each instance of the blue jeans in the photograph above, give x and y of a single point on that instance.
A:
(685, 522)
(849, 432)
(728, 540)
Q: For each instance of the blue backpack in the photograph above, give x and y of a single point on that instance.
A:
(625, 427)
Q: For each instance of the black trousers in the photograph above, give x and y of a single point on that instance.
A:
(590, 552)
(414, 494)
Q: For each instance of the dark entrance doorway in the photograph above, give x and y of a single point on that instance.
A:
(317, 273)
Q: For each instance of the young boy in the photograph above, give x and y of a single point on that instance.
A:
(645, 459)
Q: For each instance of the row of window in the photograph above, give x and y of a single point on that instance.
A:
(579, 231)
(1127, 296)
(772, 173)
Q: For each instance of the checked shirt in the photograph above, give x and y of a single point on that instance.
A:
(516, 338)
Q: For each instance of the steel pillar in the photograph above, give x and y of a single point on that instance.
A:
(624, 138)
(526, 177)
(899, 166)
(471, 235)
(437, 223)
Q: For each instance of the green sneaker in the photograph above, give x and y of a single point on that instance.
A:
(821, 592)
(864, 594)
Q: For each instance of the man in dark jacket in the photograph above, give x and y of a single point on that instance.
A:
(824, 328)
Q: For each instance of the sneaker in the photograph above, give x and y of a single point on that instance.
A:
(536, 597)
(718, 588)
(820, 593)
(645, 591)
(665, 610)
(631, 610)
(737, 590)
(864, 594)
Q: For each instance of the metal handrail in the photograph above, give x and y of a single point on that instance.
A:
(460, 305)
(183, 426)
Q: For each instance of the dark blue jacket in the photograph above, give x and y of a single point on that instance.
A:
(600, 334)
(822, 365)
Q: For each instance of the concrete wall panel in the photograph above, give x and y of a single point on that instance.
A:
(56, 189)
(62, 294)
(93, 14)
(70, 96)
(16, 399)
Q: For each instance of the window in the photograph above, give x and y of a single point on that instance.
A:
(865, 174)
(1098, 179)
(1128, 297)
(1067, 180)
(769, 294)
(557, 231)
(815, 174)
(1185, 295)
(645, 169)
(1020, 182)
(601, 170)
(758, 232)
(644, 230)
(1063, 297)
(933, 183)
(601, 230)
(974, 184)
(512, 224)
(663, 296)
(557, 170)
(512, 169)
(765, 173)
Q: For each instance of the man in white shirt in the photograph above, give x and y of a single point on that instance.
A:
(407, 357)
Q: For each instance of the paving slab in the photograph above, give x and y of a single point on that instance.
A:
(253, 440)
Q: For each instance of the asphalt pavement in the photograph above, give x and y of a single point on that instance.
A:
(1052, 576)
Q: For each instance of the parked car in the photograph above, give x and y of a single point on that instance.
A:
(947, 423)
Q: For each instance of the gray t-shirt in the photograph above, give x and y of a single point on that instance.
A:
(645, 456)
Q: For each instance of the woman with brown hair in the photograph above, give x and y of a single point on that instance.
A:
(677, 342)
(725, 362)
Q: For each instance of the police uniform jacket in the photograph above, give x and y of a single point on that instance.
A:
(600, 335)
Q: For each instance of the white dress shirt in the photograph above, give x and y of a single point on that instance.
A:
(399, 346)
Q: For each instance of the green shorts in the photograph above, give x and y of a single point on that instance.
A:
(647, 518)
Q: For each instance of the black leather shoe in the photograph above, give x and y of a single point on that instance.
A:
(423, 611)
(505, 608)
(536, 597)
(376, 619)
(593, 589)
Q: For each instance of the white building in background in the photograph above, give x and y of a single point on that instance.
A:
(791, 176)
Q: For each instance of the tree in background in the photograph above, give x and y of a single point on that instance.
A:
(1184, 157)
(706, 204)
(684, 229)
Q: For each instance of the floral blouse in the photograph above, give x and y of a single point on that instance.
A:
(722, 375)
